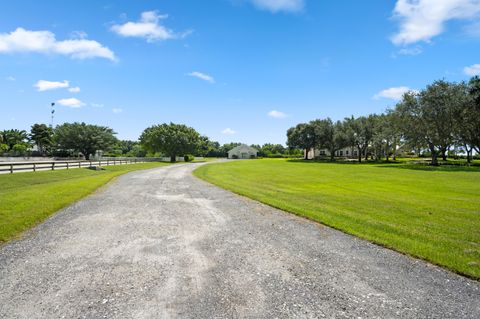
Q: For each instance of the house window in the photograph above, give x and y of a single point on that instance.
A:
(354, 153)
(341, 153)
(322, 152)
(346, 152)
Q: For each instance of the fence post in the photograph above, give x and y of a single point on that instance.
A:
(79, 164)
(34, 167)
(67, 165)
(11, 168)
(90, 163)
(53, 166)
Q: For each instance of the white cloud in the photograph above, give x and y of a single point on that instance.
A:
(97, 105)
(280, 5)
(228, 131)
(277, 114)
(44, 42)
(394, 93)
(117, 110)
(421, 20)
(472, 70)
(75, 89)
(43, 85)
(202, 76)
(10, 78)
(71, 102)
(149, 27)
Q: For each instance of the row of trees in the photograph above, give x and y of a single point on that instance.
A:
(70, 139)
(443, 116)
(66, 139)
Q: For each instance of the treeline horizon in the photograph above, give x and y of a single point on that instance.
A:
(72, 139)
(442, 116)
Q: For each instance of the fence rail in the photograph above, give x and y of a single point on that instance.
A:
(55, 165)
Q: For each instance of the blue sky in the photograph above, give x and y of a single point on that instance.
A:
(236, 70)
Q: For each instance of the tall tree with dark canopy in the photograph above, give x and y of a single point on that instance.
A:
(359, 132)
(472, 115)
(330, 135)
(84, 138)
(171, 139)
(42, 136)
(430, 115)
(303, 137)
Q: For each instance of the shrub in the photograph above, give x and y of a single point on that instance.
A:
(3, 148)
(19, 148)
(271, 155)
(188, 158)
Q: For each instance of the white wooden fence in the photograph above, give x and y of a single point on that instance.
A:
(15, 167)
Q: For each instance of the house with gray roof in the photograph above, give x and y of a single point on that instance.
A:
(242, 152)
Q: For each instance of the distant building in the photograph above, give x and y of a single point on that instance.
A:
(346, 152)
(242, 152)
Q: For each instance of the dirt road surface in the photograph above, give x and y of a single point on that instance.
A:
(162, 244)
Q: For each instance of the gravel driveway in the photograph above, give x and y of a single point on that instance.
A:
(162, 244)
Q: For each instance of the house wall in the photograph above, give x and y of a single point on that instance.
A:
(238, 153)
(348, 152)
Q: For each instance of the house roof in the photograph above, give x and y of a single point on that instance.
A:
(243, 147)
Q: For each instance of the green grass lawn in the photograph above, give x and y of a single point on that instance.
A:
(26, 199)
(427, 212)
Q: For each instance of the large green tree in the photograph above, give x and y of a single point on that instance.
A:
(42, 136)
(303, 136)
(171, 139)
(431, 115)
(15, 137)
(359, 132)
(84, 138)
(329, 135)
(470, 116)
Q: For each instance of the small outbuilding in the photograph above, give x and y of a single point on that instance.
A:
(242, 152)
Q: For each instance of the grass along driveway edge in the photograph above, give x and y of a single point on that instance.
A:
(27, 199)
(431, 214)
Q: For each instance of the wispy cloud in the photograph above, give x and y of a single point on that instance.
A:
(75, 89)
(117, 110)
(202, 76)
(472, 70)
(71, 102)
(279, 5)
(148, 27)
(10, 78)
(277, 114)
(97, 104)
(410, 51)
(43, 85)
(421, 20)
(229, 131)
(393, 93)
(44, 42)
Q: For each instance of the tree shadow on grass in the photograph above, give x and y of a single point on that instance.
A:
(397, 165)
(440, 168)
(342, 162)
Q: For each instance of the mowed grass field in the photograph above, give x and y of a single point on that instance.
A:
(26, 199)
(427, 212)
